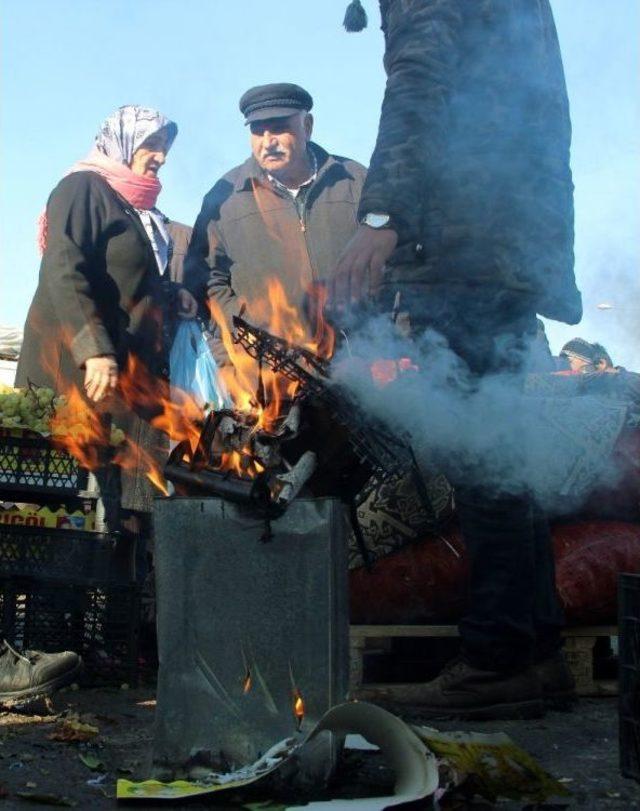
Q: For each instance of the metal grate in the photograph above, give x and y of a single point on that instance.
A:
(33, 464)
(629, 701)
(100, 622)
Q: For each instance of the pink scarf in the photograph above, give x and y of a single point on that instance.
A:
(139, 191)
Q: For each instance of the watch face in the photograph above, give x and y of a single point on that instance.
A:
(376, 220)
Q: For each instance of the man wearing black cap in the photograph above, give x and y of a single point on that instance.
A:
(286, 213)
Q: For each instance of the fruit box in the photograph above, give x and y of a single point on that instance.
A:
(29, 463)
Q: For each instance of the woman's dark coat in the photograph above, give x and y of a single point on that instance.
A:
(99, 293)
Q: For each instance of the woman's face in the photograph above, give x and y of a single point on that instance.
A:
(150, 155)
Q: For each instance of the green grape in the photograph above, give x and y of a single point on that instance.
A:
(10, 422)
(117, 436)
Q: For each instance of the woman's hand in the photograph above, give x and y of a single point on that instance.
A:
(100, 377)
(187, 305)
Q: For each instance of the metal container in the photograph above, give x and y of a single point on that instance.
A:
(252, 636)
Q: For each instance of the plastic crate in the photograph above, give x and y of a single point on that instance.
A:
(30, 464)
(100, 622)
(63, 589)
(629, 673)
(68, 555)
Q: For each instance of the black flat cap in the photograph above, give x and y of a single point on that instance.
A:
(274, 101)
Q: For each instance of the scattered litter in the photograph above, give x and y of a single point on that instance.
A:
(124, 686)
(72, 730)
(31, 785)
(497, 767)
(17, 764)
(414, 765)
(154, 789)
(96, 782)
(92, 762)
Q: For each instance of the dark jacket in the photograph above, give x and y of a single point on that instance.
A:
(99, 293)
(472, 156)
(180, 236)
(248, 232)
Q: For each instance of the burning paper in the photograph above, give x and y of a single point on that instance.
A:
(414, 765)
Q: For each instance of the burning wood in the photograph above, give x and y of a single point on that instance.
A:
(317, 438)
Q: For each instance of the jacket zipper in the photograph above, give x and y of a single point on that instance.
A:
(303, 230)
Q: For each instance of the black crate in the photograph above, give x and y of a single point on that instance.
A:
(64, 589)
(30, 464)
(69, 555)
(100, 622)
(629, 673)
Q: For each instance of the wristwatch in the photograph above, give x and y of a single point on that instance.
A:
(376, 220)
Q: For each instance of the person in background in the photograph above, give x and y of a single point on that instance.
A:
(601, 358)
(105, 299)
(469, 203)
(286, 213)
(579, 354)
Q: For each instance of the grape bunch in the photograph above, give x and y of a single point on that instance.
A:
(30, 408)
(39, 409)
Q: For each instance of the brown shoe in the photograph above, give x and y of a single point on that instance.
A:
(465, 692)
(558, 684)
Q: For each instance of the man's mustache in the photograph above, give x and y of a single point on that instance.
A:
(273, 153)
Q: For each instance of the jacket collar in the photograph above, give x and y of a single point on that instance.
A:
(250, 170)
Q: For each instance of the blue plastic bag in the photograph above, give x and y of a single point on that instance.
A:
(193, 369)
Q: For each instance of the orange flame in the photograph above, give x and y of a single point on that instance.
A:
(298, 707)
(246, 686)
(280, 318)
(158, 481)
(82, 428)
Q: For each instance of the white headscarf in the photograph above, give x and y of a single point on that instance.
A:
(121, 134)
(124, 131)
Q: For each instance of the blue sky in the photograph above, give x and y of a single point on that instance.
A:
(66, 64)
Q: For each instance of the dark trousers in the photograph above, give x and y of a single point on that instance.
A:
(513, 616)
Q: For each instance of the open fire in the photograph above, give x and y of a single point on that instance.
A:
(286, 427)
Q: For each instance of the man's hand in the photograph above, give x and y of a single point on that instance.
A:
(100, 377)
(187, 305)
(359, 270)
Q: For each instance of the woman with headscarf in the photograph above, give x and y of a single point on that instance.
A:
(104, 294)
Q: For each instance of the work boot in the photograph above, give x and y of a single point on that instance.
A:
(557, 682)
(466, 692)
(32, 673)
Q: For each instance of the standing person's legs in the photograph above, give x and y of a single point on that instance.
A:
(548, 616)
(556, 679)
(497, 630)
(489, 331)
